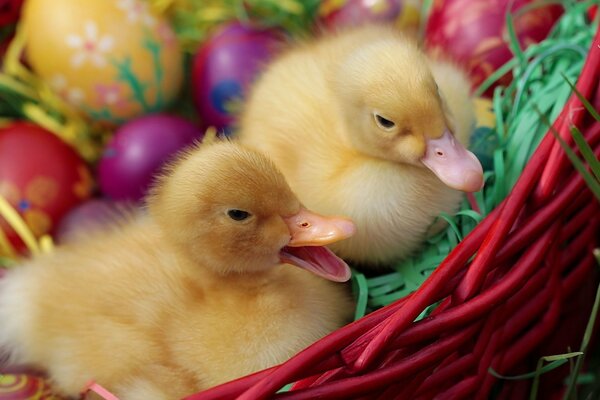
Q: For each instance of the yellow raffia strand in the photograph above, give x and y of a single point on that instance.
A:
(161, 6)
(213, 14)
(6, 249)
(16, 86)
(42, 105)
(44, 244)
(15, 221)
(291, 6)
(328, 6)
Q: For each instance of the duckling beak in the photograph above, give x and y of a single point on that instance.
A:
(311, 229)
(456, 166)
(309, 233)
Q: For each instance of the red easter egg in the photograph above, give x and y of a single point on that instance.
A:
(40, 176)
(474, 32)
(9, 11)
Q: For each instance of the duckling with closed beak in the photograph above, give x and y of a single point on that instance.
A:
(364, 123)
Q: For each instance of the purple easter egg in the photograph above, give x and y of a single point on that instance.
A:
(226, 65)
(336, 14)
(90, 214)
(138, 150)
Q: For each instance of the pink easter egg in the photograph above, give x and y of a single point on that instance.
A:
(90, 214)
(352, 12)
(473, 33)
(335, 14)
(138, 150)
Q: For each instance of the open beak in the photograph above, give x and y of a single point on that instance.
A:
(453, 164)
(309, 233)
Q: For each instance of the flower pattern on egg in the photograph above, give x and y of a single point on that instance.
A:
(83, 187)
(166, 34)
(41, 191)
(90, 47)
(110, 95)
(136, 11)
(60, 85)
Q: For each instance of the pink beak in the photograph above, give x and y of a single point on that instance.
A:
(456, 166)
(311, 229)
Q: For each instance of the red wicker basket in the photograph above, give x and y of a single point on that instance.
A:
(506, 295)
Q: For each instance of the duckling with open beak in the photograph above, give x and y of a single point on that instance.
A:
(193, 293)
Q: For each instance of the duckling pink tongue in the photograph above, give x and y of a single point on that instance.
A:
(318, 260)
(456, 166)
(309, 232)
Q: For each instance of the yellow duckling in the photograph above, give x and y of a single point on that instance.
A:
(192, 294)
(365, 124)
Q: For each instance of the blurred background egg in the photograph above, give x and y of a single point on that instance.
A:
(225, 66)
(474, 32)
(112, 59)
(9, 14)
(41, 177)
(404, 14)
(90, 214)
(137, 151)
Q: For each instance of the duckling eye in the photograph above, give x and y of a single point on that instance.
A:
(238, 215)
(384, 123)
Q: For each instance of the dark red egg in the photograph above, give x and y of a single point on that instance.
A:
(41, 177)
(474, 32)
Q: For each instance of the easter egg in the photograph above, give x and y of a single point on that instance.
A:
(474, 32)
(9, 15)
(89, 214)
(137, 151)
(40, 176)
(9, 11)
(225, 66)
(24, 386)
(347, 13)
(111, 59)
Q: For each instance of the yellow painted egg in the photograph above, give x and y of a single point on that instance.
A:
(112, 59)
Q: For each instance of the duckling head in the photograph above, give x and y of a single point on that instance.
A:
(394, 111)
(230, 210)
